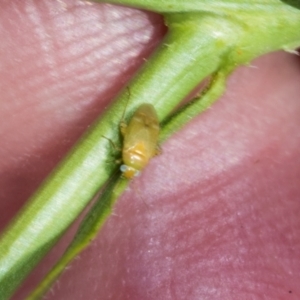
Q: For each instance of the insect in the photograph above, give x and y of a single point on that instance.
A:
(140, 138)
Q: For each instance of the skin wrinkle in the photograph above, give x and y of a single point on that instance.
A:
(213, 217)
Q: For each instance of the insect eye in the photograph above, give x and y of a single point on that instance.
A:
(123, 168)
(129, 172)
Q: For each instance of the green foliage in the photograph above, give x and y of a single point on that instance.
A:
(205, 38)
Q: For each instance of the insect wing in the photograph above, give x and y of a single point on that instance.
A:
(143, 130)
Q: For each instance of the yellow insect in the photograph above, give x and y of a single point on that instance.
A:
(140, 138)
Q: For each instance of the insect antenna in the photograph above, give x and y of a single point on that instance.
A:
(129, 95)
(112, 143)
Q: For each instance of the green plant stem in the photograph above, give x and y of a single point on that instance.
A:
(98, 214)
(87, 231)
(165, 79)
(215, 7)
(196, 106)
(208, 39)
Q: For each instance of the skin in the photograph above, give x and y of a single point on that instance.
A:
(216, 216)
